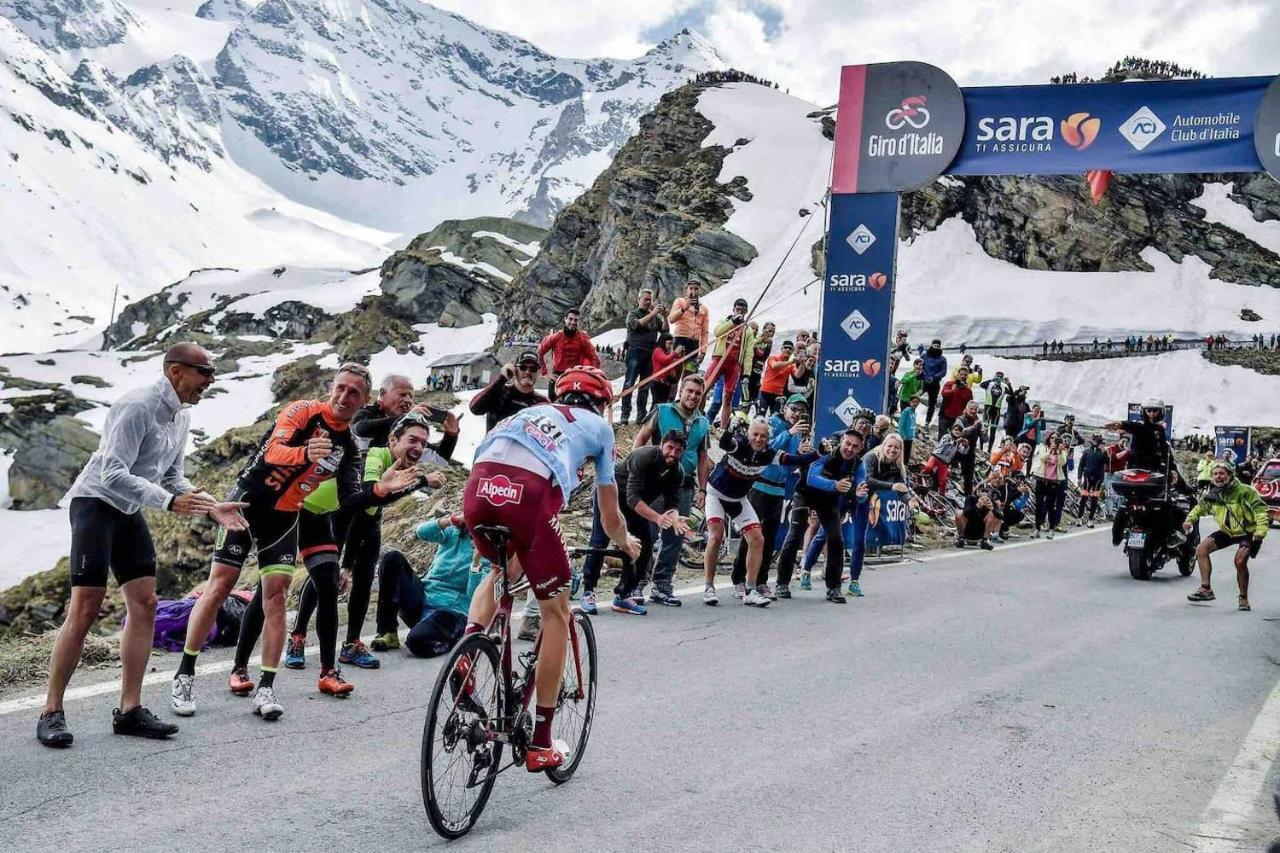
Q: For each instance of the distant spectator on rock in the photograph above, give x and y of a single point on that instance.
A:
(645, 323)
(731, 357)
(663, 371)
(569, 347)
(690, 323)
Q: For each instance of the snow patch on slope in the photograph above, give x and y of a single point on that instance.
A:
(1218, 207)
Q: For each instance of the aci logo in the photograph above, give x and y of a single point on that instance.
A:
(1079, 130)
(1142, 128)
(861, 239)
(847, 409)
(855, 325)
(912, 112)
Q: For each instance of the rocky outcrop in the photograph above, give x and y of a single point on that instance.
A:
(652, 219)
(48, 461)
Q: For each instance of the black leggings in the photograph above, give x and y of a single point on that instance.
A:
(1050, 496)
(931, 388)
(324, 582)
(360, 557)
(829, 518)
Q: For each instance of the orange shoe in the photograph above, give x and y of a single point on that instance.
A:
(332, 683)
(538, 759)
(239, 682)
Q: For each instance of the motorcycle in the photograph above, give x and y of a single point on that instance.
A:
(1148, 524)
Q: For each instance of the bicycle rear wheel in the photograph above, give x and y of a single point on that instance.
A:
(459, 763)
(576, 706)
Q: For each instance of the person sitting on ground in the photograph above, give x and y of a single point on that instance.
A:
(1242, 519)
(433, 607)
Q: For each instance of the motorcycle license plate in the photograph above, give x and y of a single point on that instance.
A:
(1138, 539)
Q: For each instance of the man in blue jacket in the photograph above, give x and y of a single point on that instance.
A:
(935, 370)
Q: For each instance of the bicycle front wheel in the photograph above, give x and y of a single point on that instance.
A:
(459, 758)
(576, 706)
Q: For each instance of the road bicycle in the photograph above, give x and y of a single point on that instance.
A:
(693, 550)
(480, 706)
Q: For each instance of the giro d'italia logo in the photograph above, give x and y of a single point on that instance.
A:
(911, 112)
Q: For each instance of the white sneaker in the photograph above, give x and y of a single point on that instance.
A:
(182, 700)
(709, 596)
(1049, 535)
(265, 704)
(739, 590)
(755, 598)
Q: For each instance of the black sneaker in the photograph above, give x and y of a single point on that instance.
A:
(782, 591)
(960, 543)
(52, 730)
(664, 598)
(141, 723)
(986, 545)
(834, 596)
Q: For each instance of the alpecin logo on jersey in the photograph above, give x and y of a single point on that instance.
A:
(499, 490)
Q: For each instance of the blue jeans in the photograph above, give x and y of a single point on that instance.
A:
(665, 569)
(639, 366)
(599, 539)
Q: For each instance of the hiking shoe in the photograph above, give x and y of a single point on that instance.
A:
(782, 591)
(386, 642)
(52, 730)
(182, 699)
(529, 626)
(986, 545)
(666, 599)
(1202, 594)
(239, 682)
(767, 592)
(1242, 603)
(806, 583)
(628, 605)
(295, 652)
(709, 596)
(265, 704)
(333, 684)
(834, 596)
(739, 590)
(357, 654)
(141, 723)
(589, 603)
(855, 589)
(755, 598)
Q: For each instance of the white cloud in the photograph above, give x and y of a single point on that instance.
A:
(980, 42)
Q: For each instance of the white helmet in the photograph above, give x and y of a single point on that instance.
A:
(1153, 403)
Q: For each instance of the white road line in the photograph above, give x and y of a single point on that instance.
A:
(1231, 811)
(36, 701)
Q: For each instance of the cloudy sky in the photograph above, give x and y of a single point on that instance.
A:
(802, 43)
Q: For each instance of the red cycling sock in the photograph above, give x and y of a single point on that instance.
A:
(542, 727)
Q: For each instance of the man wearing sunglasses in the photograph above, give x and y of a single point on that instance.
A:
(138, 463)
(510, 391)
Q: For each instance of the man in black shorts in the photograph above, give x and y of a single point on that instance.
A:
(138, 463)
(1241, 514)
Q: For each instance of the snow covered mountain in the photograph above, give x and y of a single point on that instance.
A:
(147, 138)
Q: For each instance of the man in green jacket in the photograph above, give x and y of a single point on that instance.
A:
(1241, 515)
(911, 383)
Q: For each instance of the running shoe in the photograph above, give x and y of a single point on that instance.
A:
(782, 591)
(141, 723)
(1202, 594)
(1049, 535)
(767, 592)
(357, 654)
(538, 759)
(295, 652)
(52, 730)
(709, 596)
(636, 597)
(834, 596)
(1242, 603)
(529, 626)
(386, 642)
(589, 603)
(1035, 534)
(666, 599)
(755, 598)
(855, 589)
(805, 582)
(182, 700)
(739, 590)
(239, 682)
(628, 605)
(265, 704)
(333, 684)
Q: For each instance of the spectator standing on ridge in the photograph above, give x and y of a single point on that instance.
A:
(759, 355)
(569, 347)
(663, 374)
(956, 394)
(996, 388)
(730, 357)
(645, 323)
(935, 370)
(773, 382)
(690, 323)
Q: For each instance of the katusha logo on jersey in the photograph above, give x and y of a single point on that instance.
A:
(855, 282)
(1031, 134)
(499, 490)
(911, 116)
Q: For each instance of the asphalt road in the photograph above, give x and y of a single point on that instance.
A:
(1032, 699)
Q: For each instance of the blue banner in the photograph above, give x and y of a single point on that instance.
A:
(1232, 439)
(1166, 127)
(887, 524)
(857, 308)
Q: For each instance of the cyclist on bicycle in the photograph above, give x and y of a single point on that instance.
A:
(524, 471)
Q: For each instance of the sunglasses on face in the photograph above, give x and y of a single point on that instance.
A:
(204, 370)
(527, 368)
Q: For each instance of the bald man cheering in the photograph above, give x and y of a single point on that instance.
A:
(138, 463)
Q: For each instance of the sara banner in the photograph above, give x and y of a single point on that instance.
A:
(887, 523)
(1135, 415)
(1232, 439)
(857, 307)
(1167, 127)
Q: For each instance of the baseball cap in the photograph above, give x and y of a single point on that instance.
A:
(788, 345)
(740, 303)
(798, 400)
(527, 355)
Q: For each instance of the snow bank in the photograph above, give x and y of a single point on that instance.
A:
(1218, 207)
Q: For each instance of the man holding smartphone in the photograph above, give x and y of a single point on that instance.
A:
(690, 323)
(511, 390)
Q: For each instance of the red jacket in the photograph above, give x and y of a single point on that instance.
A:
(567, 351)
(955, 398)
(660, 362)
(1117, 459)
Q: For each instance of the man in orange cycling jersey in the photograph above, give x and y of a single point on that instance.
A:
(524, 471)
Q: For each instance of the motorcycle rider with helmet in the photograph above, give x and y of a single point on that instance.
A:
(1149, 450)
